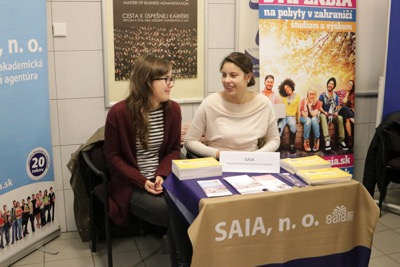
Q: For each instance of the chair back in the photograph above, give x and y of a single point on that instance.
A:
(95, 160)
(392, 136)
(392, 143)
(98, 157)
(98, 173)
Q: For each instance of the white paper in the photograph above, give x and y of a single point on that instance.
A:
(250, 162)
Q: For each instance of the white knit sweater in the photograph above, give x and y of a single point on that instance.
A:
(235, 127)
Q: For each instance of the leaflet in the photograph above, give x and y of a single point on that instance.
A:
(244, 184)
(214, 188)
(272, 183)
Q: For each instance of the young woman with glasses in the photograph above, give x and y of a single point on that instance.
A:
(142, 137)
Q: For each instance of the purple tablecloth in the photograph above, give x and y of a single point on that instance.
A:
(186, 194)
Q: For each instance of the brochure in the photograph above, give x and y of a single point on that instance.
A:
(244, 184)
(293, 165)
(324, 176)
(272, 183)
(196, 168)
(214, 188)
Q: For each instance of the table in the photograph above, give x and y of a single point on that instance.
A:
(329, 225)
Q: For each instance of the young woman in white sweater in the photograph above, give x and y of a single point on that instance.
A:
(236, 118)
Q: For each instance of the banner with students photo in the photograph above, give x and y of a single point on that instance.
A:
(26, 169)
(307, 68)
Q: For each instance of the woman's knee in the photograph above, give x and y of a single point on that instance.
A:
(305, 121)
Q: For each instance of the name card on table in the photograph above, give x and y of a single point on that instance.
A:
(253, 162)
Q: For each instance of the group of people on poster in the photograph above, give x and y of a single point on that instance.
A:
(178, 44)
(315, 111)
(37, 209)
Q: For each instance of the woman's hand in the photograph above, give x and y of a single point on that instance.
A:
(154, 185)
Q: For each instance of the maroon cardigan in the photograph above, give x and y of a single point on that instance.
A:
(120, 152)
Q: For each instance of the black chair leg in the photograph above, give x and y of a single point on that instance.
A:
(108, 239)
(380, 205)
(382, 197)
(92, 226)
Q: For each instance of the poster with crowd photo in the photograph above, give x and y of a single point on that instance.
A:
(167, 29)
(307, 68)
(26, 170)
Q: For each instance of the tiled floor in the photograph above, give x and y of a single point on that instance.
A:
(148, 251)
(386, 243)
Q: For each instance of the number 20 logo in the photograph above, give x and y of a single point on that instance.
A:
(37, 164)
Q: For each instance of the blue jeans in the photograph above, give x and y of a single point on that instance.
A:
(288, 120)
(14, 231)
(6, 233)
(308, 124)
(19, 228)
(346, 113)
(1, 238)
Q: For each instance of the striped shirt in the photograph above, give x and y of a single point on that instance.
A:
(148, 159)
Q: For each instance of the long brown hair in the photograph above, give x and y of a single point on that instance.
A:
(146, 69)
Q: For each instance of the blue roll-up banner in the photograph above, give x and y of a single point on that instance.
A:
(26, 170)
(392, 77)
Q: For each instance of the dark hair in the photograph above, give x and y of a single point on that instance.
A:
(333, 80)
(352, 92)
(354, 85)
(146, 69)
(243, 62)
(289, 82)
(269, 76)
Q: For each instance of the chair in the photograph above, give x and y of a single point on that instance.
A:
(391, 161)
(97, 176)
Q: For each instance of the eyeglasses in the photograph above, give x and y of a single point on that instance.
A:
(168, 80)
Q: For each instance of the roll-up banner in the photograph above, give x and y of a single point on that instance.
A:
(309, 47)
(27, 193)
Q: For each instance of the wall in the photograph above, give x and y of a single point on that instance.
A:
(77, 88)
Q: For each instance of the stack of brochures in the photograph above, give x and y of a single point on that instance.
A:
(214, 188)
(244, 184)
(324, 176)
(196, 168)
(293, 165)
